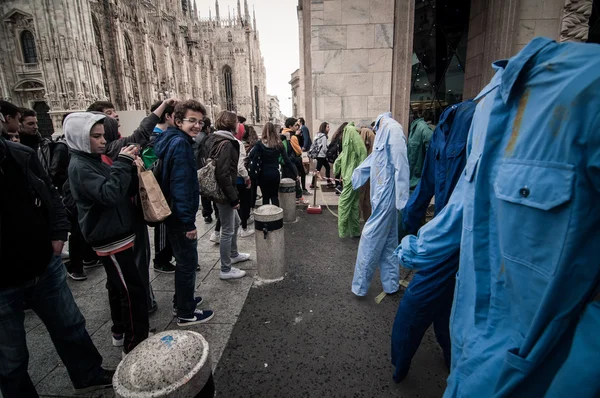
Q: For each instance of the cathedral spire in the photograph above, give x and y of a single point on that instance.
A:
(254, 18)
(217, 9)
(246, 12)
(195, 8)
(239, 11)
(229, 9)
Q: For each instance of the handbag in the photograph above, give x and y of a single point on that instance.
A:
(154, 204)
(209, 187)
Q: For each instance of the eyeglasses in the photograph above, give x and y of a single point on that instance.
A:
(194, 121)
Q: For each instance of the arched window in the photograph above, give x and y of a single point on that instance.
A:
(28, 47)
(229, 37)
(129, 51)
(228, 81)
(256, 104)
(98, 38)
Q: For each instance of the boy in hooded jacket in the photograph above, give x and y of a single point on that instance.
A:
(107, 217)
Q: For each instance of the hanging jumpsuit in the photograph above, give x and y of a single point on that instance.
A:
(353, 153)
(525, 215)
(428, 298)
(387, 168)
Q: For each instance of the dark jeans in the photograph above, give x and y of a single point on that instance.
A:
(322, 162)
(79, 249)
(207, 206)
(245, 196)
(162, 246)
(51, 299)
(127, 298)
(186, 255)
(302, 174)
(269, 187)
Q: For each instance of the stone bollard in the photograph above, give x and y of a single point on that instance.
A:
(287, 199)
(270, 242)
(175, 363)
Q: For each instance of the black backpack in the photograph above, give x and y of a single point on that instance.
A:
(334, 150)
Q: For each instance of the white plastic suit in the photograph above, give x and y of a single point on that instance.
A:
(387, 167)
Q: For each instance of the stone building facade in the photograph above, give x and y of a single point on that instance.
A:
(274, 114)
(60, 56)
(359, 58)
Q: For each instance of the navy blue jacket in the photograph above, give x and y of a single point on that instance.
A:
(179, 181)
(444, 162)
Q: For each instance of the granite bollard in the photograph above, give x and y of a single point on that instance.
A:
(287, 199)
(174, 363)
(270, 242)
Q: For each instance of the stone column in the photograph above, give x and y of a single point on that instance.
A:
(306, 79)
(270, 242)
(402, 61)
(287, 199)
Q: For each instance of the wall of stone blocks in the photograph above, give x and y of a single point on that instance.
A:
(351, 45)
(537, 18)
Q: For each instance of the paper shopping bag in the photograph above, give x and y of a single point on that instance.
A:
(154, 204)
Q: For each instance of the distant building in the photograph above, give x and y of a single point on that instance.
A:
(274, 114)
(360, 58)
(59, 56)
(297, 94)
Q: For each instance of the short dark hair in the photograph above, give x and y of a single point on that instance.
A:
(226, 120)
(26, 112)
(190, 105)
(9, 109)
(301, 120)
(100, 106)
(169, 109)
(241, 119)
(64, 117)
(289, 122)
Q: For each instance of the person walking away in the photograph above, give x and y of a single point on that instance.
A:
(306, 140)
(33, 275)
(270, 149)
(429, 296)
(107, 217)
(364, 201)
(162, 247)
(243, 184)
(321, 142)
(225, 151)
(179, 184)
(353, 153)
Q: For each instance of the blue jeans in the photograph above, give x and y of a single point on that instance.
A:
(230, 223)
(185, 252)
(51, 299)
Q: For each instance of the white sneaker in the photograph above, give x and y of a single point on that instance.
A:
(251, 220)
(234, 273)
(244, 233)
(215, 237)
(240, 257)
(64, 255)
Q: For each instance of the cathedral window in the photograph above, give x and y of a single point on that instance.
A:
(256, 104)
(28, 47)
(154, 66)
(229, 37)
(228, 81)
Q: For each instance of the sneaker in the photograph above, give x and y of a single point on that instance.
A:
(64, 255)
(234, 273)
(77, 276)
(198, 301)
(200, 316)
(208, 219)
(338, 191)
(215, 237)
(165, 268)
(118, 339)
(306, 193)
(240, 257)
(301, 201)
(251, 220)
(92, 264)
(244, 233)
(103, 381)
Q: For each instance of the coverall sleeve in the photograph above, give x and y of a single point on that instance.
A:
(362, 173)
(438, 239)
(399, 157)
(593, 165)
(421, 197)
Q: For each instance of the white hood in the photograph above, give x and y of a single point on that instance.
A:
(77, 127)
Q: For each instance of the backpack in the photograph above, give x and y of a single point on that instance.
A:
(46, 151)
(315, 149)
(333, 151)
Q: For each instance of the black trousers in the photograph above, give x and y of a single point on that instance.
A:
(302, 174)
(322, 162)
(245, 196)
(162, 246)
(207, 206)
(127, 298)
(79, 249)
(269, 186)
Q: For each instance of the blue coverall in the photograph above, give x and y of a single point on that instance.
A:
(387, 168)
(526, 217)
(428, 298)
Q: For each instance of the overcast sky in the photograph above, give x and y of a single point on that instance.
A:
(278, 27)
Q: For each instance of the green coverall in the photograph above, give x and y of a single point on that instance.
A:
(353, 153)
